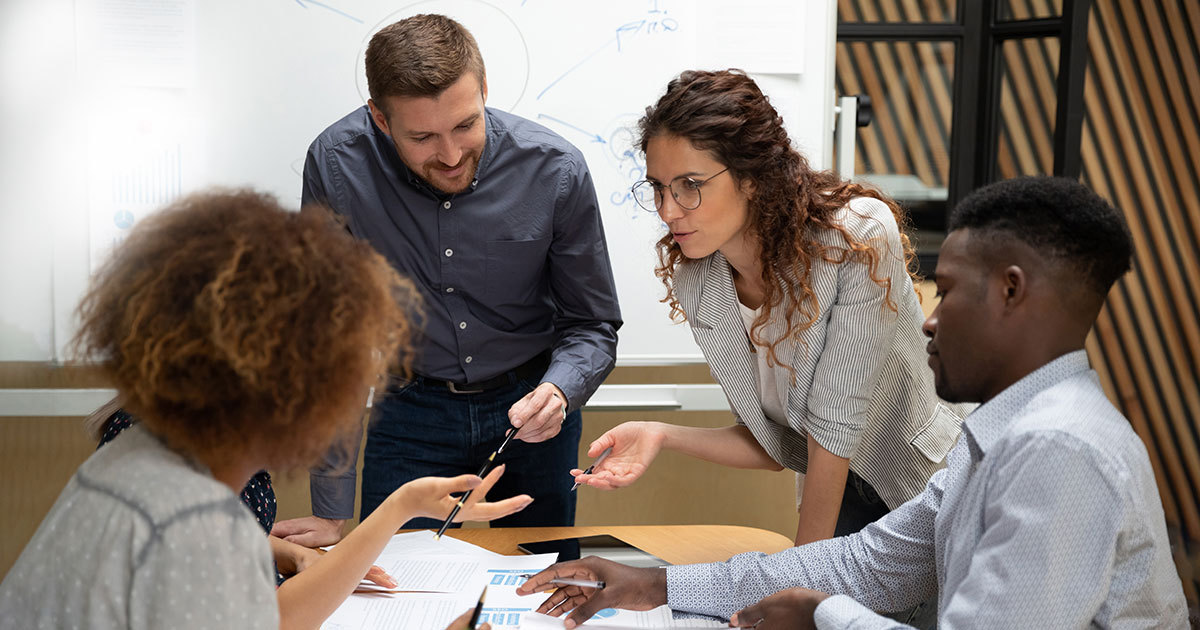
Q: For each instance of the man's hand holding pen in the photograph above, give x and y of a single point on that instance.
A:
(540, 414)
(626, 587)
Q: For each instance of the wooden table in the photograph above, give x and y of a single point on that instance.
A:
(677, 544)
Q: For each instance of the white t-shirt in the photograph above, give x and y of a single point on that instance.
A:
(773, 384)
(773, 381)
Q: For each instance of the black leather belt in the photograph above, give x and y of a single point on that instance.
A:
(535, 367)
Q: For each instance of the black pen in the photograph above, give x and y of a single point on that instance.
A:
(482, 471)
(478, 609)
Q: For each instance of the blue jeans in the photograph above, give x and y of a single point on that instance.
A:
(423, 429)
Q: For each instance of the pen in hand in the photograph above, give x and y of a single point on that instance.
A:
(482, 471)
(478, 609)
(597, 584)
(593, 466)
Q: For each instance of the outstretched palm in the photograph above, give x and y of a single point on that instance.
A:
(634, 447)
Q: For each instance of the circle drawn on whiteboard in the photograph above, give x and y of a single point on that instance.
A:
(123, 219)
(501, 43)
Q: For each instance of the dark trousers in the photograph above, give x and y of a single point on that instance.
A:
(861, 506)
(424, 429)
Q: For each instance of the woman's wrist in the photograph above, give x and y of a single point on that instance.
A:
(399, 507)
(660, 434)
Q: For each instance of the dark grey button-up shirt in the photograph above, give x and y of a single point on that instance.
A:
(514, 266)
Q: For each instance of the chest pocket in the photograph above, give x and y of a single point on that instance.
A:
(516, 271)
(939, 434)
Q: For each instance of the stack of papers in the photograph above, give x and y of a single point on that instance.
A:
(613, 619)
(436, 581)
(440, 579)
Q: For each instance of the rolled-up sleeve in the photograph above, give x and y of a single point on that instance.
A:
(859, 332)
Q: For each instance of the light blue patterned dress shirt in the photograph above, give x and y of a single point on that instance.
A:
(1047, 516)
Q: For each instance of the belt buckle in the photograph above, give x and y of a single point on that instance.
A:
(454, 389)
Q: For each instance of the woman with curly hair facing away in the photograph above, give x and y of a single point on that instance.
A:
(797, 289)
(243, 337)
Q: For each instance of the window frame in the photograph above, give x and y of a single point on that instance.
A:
(974, 128)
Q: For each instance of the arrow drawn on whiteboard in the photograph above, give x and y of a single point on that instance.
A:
(572, 68)
(305, 3)
(595, 137)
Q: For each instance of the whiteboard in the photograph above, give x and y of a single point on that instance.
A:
(183, 94)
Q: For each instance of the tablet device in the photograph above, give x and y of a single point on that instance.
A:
(603, 545)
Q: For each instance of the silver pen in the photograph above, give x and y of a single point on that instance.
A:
(571, 582)
(593, 467)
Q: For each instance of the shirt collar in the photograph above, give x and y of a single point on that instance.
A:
(988, 423)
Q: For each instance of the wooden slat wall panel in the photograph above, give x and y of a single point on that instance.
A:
(1140, 149)
(911, 86)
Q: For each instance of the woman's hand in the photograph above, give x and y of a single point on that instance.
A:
(789, 608)
(626, 587)
(634, 447)
(430, 497)
(291, 559)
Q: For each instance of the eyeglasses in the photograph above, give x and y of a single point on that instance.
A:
(649, 194)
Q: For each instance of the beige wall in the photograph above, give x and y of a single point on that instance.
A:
(38, 456)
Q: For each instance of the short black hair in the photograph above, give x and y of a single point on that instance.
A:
(1059, 217)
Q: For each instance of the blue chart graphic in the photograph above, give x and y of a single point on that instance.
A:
(501, 616)
(505, 578)
(123, 219)
(606, 613)
(152, 181)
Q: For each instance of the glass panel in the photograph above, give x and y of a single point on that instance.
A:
(904, 151)
(851, 11)
(1012, 10)
(1028, 102)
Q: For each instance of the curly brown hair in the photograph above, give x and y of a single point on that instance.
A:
(234, 328)
(725, 114)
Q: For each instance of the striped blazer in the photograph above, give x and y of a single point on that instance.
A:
(862, 387)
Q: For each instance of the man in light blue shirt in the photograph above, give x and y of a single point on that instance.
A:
(1047, 515)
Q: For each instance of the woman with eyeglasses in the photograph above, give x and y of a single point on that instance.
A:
(797, 288)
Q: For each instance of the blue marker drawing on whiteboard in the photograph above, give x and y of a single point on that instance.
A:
(305, 3)
(665, 25)
(595, 137)
(572, 68)
(630, 29)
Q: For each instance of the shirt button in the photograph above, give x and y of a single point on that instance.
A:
(449, 252)
(449, 289)
(468, 359)
(462, 325)
(474, 183)
(446, 205)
